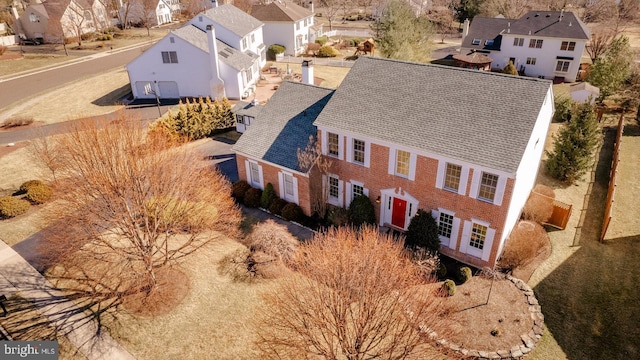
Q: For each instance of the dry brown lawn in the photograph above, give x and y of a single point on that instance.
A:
(9, 68)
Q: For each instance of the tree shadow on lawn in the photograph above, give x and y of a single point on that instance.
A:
(590, 301)
(112, 97)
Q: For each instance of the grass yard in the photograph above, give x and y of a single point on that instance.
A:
(9, 68)
(589, 292)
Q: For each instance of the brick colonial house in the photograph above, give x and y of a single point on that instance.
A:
(463, 144)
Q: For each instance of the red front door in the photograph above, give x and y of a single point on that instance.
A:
(398, 213)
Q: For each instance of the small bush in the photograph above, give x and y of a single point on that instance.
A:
(274, 240)
(361, 211)
(238, 189)
(510, 69)
(423, 231)
(292, 212)
(526, 240)
(338, 216)
(539, 206)
(464, 274)
(3, 49)
(28, 184)
(328, 51)
(252, 197)
(322, 40)
(15, 122)
(277, 205)
(564, 105)
(12, 206)
(442, 271)
(39, 194)
(274, 50)
(267, 196)
(448, 288)
(354, 42)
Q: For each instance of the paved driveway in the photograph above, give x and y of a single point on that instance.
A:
(218, 150)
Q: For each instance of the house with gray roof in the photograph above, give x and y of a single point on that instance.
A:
(544, 44)
(467, 148)
(218, 53)
(286, 23)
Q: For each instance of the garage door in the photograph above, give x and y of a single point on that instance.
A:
(168, 90)
(140, 90)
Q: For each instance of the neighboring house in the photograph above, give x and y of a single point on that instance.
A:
(287, 24)
(218, 53)
(467, 148)
(584, 92)
(545, 44)
(149, 12)
(53, 20)
(245, 113)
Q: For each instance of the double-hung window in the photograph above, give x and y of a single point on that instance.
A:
(358, 151)
(288, 185)
(403, 163)
(478, 236)
(488, 186)
(445, 225)
(531, 61)
(518, 41)
(334, 187)
(535, 43)
(169, 57)
(452, 177)
(333, 144)
(356, 190)
(562, 66)
(568, 45)
(255, 173)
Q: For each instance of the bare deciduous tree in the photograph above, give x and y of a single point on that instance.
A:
(134, 199)
(539, 206)
(310, 158)
(599, 44)
(356, 295)
(526, 239)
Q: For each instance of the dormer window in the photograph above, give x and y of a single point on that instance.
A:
(488, 42)
(476, 42)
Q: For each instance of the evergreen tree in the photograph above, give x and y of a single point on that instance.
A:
(510, 69)
(574, 146)
(423, 232)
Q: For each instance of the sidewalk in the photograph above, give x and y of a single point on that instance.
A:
(16, 275)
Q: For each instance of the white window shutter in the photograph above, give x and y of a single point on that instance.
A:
(281, 190)
(261, 178)
(466, 236)
(348, 194)
(464, 179)
(349, 149)
(502, 183)
(488, 242)
(340, 147)
(248, 169)
(475, 183)
(340, 193)
(295, 190)
(325, 140)
(412, 166)
(365, 191)
(391, 168)
(367, 153)
(442, 165)
(454, 233)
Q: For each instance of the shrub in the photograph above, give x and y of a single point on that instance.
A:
(539, 206)
(252, 197)
(39, 194)
(448, 288)
(423, 232)
(292, 212)
(268, 195)
(327, 51)
(510, 69)
(238, 189)
(274, 50)
(526, 240)
(464, 274)
(354, 42)
(277, 205)
(274, 240)
(428, 262)
(12, 206)
(442, 271)
(3, 49)
(15, 122)
(338, 216)
(361, 211)
(28, 184)
(322, 40)
(564, 105)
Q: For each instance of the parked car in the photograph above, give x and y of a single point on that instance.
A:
(29, 42)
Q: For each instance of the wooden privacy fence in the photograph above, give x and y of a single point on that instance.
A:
(612, 179)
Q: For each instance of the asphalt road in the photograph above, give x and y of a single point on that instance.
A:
(24, 87)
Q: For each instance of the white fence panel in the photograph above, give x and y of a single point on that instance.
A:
(8, 40)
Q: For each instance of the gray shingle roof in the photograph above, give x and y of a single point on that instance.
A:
(485, 29)
(234, 19)
(478, 117)
(246, 108)
(228, 55)
(280, 11)
(284, 124)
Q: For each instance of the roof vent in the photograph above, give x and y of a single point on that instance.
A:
(536, 15)
(255, 102)
(548, 15)
(569, 23)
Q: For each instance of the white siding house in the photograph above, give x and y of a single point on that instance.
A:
(285, 23)
(545, 44)
(200, 59)
(137, 14)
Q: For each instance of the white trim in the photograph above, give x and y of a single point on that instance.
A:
(464, 180)
(500, 188)
(339, 201)
(386, 212)
(283, 191)
(279, 167)
(454, 233)
(260, 182)
(393, 161)
(465, 246)
(325, 145)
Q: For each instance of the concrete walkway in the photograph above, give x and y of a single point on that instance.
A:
(17, 276)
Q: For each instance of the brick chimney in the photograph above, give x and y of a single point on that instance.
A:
(307, 72)
(216, 85)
